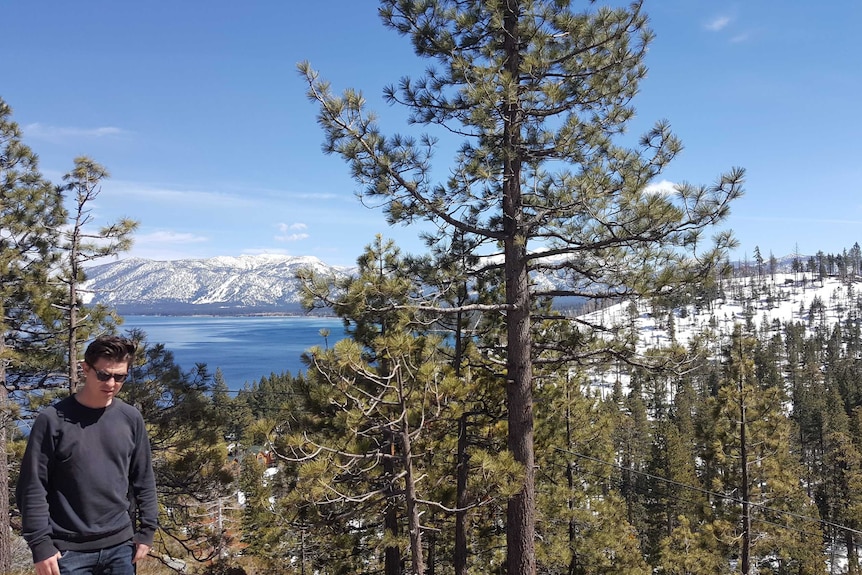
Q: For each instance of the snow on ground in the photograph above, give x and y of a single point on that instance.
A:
(785, 298)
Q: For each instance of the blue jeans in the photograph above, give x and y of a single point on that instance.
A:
(110, 561)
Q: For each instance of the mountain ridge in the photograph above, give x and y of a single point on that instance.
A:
(229, 285)
(224, 285)
(221, 285)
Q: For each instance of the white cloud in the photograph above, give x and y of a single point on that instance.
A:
(56, 134)
(664, 187)
(169, 237)
(324, 196)
(213, 198)
(291, 237)
(291, 232)
(718, 23)
(282, 227)
(152, 193)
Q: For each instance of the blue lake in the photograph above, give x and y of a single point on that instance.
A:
(245, 348)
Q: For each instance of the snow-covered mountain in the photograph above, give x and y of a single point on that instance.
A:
(221, 285)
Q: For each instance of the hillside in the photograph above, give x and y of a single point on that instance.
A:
(784, 298)
(772, 300)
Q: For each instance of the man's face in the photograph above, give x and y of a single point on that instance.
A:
(100, 382)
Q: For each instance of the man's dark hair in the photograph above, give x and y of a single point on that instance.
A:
(112, 347)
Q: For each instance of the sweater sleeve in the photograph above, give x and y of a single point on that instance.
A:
(143, 487)
(31, 492)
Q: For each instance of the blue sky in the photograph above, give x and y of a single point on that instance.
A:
(198, 112)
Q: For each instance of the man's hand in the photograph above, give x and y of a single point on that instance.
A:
(141, 551)
(48, 566)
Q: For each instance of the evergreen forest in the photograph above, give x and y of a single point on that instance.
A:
(653, 409)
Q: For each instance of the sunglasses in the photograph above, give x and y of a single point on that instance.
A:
(105, 376)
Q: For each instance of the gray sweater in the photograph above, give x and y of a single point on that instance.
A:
(85, 473)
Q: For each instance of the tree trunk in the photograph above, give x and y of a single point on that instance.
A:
(392, 554)
(744, 490)
(520, 514)
(5, 525)
(416, 556)
(570, 483)
(460, 555)
(852, 557)
(462, 469)
(432, 554)
(72, 351)
(73, 316)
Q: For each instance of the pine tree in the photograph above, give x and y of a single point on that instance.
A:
(761, 474)
(540, 92)
(773, 266)
(31, 216)
(83, 245)
(446, 273)
(275, 522)
(839, 480)
(821, 266)
(582, 512)
(233, 413)
(855, 256)
(758, 259)
(674, 490)
(390, 382)
(264, 532)
(693, 551)
(190, 454)
(632, 439)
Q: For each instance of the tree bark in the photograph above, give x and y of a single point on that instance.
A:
(74, 270)
(5, 524)
(392, 555)
(414, 526)
(570, 483)
(744, 491)
(460, 555)
(72, 351)
(521, 508)
(852, 557)
(520, 513)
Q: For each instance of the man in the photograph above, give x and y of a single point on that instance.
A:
(87, 471)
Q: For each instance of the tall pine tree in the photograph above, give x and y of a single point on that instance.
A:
(540, 91)
(31, 217)
(84, 245)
